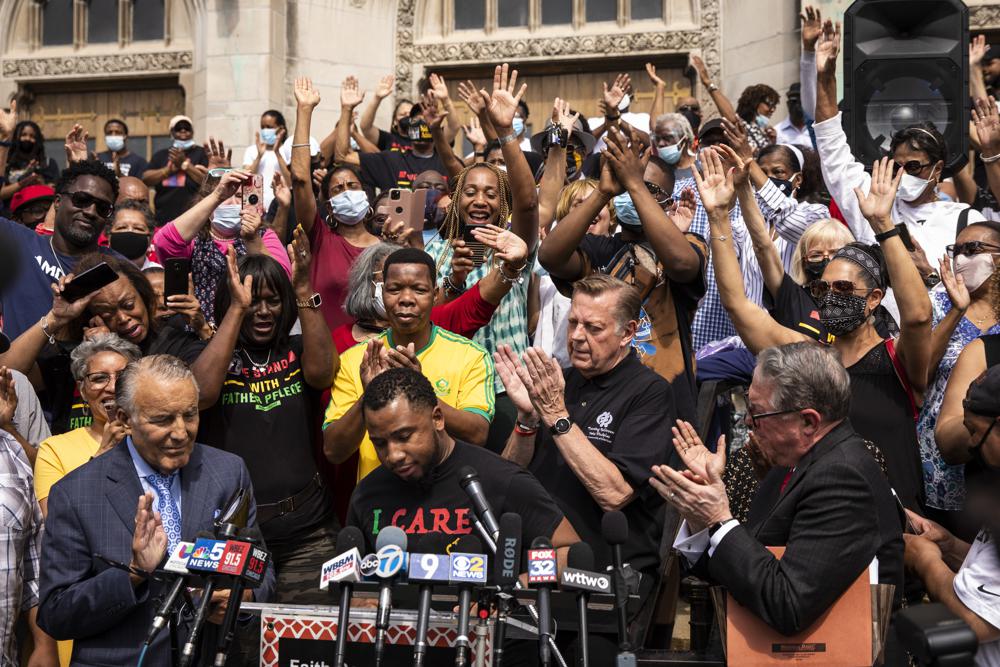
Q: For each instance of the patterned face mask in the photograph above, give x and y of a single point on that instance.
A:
(842, 313)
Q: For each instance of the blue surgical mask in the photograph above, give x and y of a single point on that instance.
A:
(377, 302)
(183, 145)
(518, 125)
(226, 220)
(269, 135)
(349, 207)
(670, 154)
(763, 121)
(625, 211)
(114, 142)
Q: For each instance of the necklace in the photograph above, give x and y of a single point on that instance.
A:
(258, 367)
(55, 255)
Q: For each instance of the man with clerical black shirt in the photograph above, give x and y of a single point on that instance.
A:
(416, 487)
(591, 433)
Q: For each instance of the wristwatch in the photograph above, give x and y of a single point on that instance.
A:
(315, 301)
(561, 427)
(932, 279)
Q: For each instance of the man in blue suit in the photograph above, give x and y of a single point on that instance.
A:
(133, 505)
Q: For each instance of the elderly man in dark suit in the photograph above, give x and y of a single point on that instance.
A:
(131, 505)
(825, 500)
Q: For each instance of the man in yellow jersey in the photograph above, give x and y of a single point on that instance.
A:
(460, 371)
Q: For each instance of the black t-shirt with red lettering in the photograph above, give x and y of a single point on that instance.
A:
(439, 504)
(395, 169)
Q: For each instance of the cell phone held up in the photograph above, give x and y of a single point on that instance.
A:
(251, 195)
(175, 277)
(407, 206)
(478, 249)
(89, 281)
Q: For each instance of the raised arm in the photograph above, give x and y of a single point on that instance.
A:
(382, 91)
(986, 121)
(439, 91)
(320, 360)
(306, 99)
(914, 343)
(190, 222)
(477, 106)
(554, 177)
(501, 107)
(827, 48)
(722, 102)
(958, 294)
(659, 85)
(350, 97)
(811, 22)
(977, 51)
(435, 120)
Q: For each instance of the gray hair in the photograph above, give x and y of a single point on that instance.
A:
(360, 289)
(807, 375)
(163, 366)
(677, 119)
(103, 342)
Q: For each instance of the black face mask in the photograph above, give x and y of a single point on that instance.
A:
(795, 112)
(786, 187)
(814, 270)
(694, 119)
(842, 313)
(131, 245)
(26, 146)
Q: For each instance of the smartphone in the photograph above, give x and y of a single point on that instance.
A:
(89, 281)
(478, 249)
(175, 277)
(904, 235)
(26, 174)
(407, 206)
(251, 196)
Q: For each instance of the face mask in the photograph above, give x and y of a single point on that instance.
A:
(114, 142)
(814, 270)
(975, 270)
(911, 187)
(625, 211)
(842, 313)
(623, 105)
(574, 160)
(132, 245)
(183, 145)
(763, 121)
(354, 145)
(518, 125)
(670, 154)
(694, 119)
(269, 135)
(26, 146)
(796, 112)
(349, 207)
(377, 300)
(786, 187)
(226, 220)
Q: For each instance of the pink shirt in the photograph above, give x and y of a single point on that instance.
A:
(169, 244)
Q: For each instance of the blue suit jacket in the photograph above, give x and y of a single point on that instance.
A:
(92, 511)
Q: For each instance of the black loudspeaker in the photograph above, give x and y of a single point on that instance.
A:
(906, 61)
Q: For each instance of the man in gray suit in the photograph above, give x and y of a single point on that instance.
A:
(825, 498)
(132, 505)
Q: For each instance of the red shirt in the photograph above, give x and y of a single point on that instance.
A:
(331, 263)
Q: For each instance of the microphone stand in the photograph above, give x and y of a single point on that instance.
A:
(343, 616)
(584, 634)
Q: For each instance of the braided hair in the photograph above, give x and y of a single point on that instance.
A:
(451, 228)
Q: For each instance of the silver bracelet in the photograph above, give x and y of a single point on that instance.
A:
(516, 280)
(44, 325)
(508, 139)
(988, 160)
(718, 238)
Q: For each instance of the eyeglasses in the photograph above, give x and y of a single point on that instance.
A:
(688, 107)
(819, 257)
(970, 248)
(911, 167)
(754, 418)
(83, 201)
(100, 380)
(819, 287)
(662, 197)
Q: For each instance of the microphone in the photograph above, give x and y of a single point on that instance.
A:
(578, 576)
(468, 479)
(468, 569)
(390, 547)
(506, 567)
(247, 562)
(345, 569)
(542, 573)
(428, 565)
(614, 528)
(176, 563)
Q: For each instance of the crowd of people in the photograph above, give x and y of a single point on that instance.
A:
(694, 313)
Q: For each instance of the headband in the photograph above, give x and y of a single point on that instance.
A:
(868, 263)
(927, 132)
(797, 153)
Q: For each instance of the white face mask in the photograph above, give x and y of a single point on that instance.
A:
(377, 300)
(974, 270)
(911, 187)
(226, 220)
(349, 207)
(623, 105)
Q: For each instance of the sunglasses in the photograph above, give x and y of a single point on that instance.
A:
(219, 172)
(688, 107)
(911, 167)
(83, 201)
(662, 197)
(819, 287)
(970, 248)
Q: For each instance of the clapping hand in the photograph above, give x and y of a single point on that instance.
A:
(509, 369)
(695, 454)
(374, 362)
(698, 492)
(736, 135)
(626, 156)
(543, 380)
(501, 106)
(403, 357)
(876, 204)
(682, 211)
(300, 256)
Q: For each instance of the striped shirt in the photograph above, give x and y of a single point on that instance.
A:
(20, 543)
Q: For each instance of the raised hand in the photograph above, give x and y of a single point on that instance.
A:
(714, 182)
(683, 209)
(467, 93)
(876, 204)
(958, 293)
(385, 86)
(149, 542)
(76, 145)
(977, 50)
(351, 94)
(609, 184)
(507, 246)
(740, 166)
(736, 135)
(374, 362)
(8, 121)
(811, 21)
(563, 116)
(623, 157)
(241, 291)
(543, 378)
(300, 255)
(612, 96)
(827, 48)
(432, 114)
(474, 133)
(654, 77)
(699, 66)
(8, 398)
(306, 97)
(986, 120)
(502, 104)
(218, 156)
(230, 183)
(438, 87)
(282, 192)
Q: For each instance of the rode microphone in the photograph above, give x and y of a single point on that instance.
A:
(390, 547)
(467, 569)
(506, 568)
(578, 576)
(468, 479)
(429, 565)
(614, 528)
(345, 569)
(542, 574)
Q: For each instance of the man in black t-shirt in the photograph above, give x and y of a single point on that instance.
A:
(172, 171)
(416, 488)
(118, 158)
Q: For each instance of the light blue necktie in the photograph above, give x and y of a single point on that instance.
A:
(169, 514)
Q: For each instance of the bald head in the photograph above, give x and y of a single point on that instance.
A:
(130, 187)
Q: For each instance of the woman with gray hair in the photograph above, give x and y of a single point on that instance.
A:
(96, 365)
